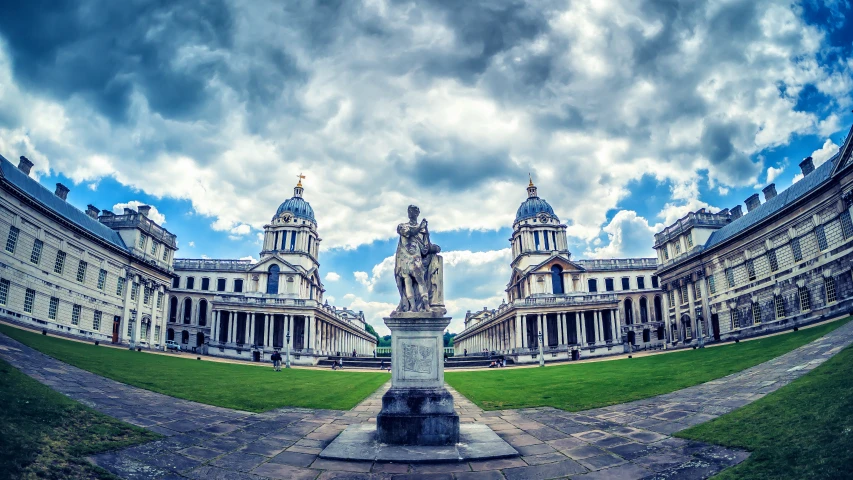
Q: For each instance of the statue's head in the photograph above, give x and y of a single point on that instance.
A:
(414, 211)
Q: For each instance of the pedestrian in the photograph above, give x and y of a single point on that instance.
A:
(354, 353)
(374, 353)
(341, 363)
(382, 365)
(466, 353)
(276, 360)
(334, 364)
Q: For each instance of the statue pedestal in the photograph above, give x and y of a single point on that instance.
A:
(417, 409)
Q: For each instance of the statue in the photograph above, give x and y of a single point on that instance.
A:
(418, 269)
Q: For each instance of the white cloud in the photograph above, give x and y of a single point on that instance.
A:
(773, 173)
(629, 234)
(332, 277)
(824, 153)
(380, 270)
(191, 244)
(153, 214)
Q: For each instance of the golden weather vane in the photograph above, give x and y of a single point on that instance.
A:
(301, 177)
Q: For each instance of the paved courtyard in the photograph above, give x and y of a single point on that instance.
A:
(626, 441)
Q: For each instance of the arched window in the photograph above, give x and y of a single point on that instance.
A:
(188, 310)
(557, 279)
(173, 310)
(629, 312)
(202, 313)
(658, 309)
(272, 280)
(644, 310)
(185, 337)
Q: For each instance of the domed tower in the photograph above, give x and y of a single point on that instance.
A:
(292, 233)
(537, 233)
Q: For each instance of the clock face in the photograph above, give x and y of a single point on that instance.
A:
(543, 217)
(287, 217)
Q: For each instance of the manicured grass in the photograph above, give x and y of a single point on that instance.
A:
(46, 435)
(582, 386)
(802, 430)
(242, 387)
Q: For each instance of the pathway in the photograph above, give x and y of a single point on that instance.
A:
(628, 441)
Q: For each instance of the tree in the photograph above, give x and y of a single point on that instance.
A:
(448, 339)
(385, 341)
(371, 331)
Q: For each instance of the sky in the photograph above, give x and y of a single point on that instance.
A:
(627, 114)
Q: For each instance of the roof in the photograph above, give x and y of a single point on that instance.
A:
(810, 182)
(532, 207)
(298, 207)
(41, 195)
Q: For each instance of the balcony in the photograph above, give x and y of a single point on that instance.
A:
(618, 264)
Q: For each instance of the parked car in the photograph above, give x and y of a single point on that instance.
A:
(173, 345)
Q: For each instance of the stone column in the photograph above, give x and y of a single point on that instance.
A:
(614, 319)
(214, 328)
(691, 306)
(579, 318)
(561, 330)
(250, 328)
(518, 343)
(667, 330)
(137, 327)
(599, 327)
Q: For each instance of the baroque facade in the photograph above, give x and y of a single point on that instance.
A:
(782, 264)
(592, 307)
(246, 310)
(88, 274)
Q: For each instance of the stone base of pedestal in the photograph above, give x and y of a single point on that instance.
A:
(417, 416)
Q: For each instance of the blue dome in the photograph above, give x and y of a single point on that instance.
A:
(298, 207)
(532, 207)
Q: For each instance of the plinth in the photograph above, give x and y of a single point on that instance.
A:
(417, 409)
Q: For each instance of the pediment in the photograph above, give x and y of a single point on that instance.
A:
(264, 265)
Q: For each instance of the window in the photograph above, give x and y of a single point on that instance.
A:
(120, 286)
(292, 241)
(75, 315)
(671, 297)
(96, 321)
(238, 286)
(608, 284)
(130, 329)
(547, 243)
(829, 283)
(4, 291)
(734, 319)
(81, 271)
(190, 283)
(35, 257)
(805, 300)
(689, 238)
(59, 264)
(780, 306)
(683, 292)
(677, 247)
(846, 224)
(142, 239)
(159, 300)
(165, 253)
(29, 299)
(750, 269)
(146, 295)
(283, 241)
(176, 282)
(730, 277)
(52, 308)
(153, 247)
(774, 263)
(157, 332)
(102, 279)
(712, 284)
(820, 233)
(12, 239)
(205, 284)
(592, 284)
(655, 283)
(626, 284)
(756, 313)
(641, 282)
(220, 285)
(134, 291)
(795, 247)
(697, 290)
(536, 239)
(665, 253)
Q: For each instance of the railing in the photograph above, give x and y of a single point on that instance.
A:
(210, 264)
(546, 300)
(386, 351)
(259, 300)
(142, 222)
(692, 219)
(618, 263)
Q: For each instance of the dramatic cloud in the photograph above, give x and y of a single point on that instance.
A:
(332, 277)
(629, 236)
(153, 214)
(824, 153)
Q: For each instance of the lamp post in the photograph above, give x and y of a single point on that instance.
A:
(541, 355)
(287, 355)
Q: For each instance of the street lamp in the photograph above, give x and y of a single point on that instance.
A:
(287, 355)
(541, 355)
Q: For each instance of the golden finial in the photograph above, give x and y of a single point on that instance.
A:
(531, 179)
(300, 176)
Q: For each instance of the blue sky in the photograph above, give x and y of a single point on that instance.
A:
(627, 114)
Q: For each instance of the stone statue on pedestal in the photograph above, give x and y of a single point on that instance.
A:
(418, 268)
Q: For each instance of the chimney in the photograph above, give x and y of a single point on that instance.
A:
(807, 166)
(107, 213)
(25, 165)
(143, 209)
(61, 191)
(128, 211)
(769, 192)
(736, 212)
(92, 211)
(752, 202)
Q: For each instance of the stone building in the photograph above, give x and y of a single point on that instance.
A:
(89, 274)
(241, 309)
(596, 307)
(782, 264)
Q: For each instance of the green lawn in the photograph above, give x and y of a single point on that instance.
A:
(576, 387)
(243, 387)
(46, 435)
(802, 430)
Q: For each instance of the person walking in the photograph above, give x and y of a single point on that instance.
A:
(341, 363)
(466, 353)
(276, 361)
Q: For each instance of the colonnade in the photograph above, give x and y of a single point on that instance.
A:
(306, 332)
(511, 334)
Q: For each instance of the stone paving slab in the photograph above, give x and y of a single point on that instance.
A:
(626, 441)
